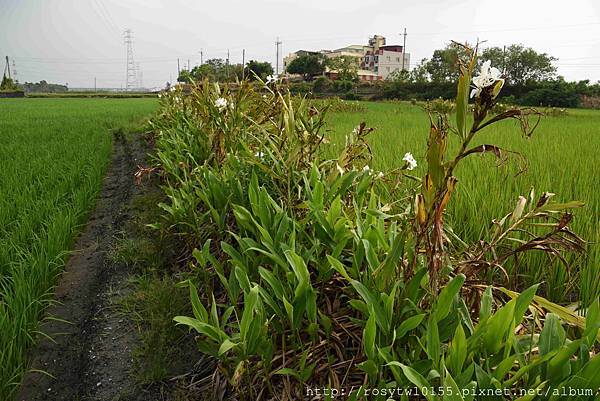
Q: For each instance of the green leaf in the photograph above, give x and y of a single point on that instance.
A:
(250, 301)
(523, 302)
(452, 392)
(498, 326)
(457, 353)
(199, 310)
(369, 367)
(446, 296)
(369, 334)
(559, 367)
(552, 336)
(209, 331)
(462, 103)
(485, 309)
(226, 346)
(409, 324)
(433, 341)
(415, 378)
(592, 322)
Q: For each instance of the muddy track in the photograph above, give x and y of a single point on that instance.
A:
(90, 357)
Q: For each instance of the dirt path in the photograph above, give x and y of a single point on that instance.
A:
(90, 358)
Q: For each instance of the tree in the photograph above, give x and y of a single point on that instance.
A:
(345, 66)
(443, 66)
(214, 70)
(309, 66)
(8, 84)
(521, 65)
(254, 68)
(419, 74)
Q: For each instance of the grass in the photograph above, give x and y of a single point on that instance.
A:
(54, 154)
(562, 157)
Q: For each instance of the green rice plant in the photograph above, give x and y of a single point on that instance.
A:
(54, 154)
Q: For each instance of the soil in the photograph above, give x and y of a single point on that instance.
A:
(89, 356)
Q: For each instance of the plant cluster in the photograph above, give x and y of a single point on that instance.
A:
(305, 271)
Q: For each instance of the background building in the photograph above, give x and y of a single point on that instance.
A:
(374, 61)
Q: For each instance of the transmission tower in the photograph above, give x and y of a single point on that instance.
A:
(140, 77)
(14, 71)
(131, 78)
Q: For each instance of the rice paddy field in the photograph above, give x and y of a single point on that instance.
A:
(55, 152)
(562, 157)
(53, 156)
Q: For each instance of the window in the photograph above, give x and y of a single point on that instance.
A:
(388, 58)
(398, 59)
(376, 59)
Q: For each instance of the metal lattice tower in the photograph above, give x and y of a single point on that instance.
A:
(131, 78)
(14, 70)
(140, 76)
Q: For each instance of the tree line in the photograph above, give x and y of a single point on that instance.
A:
(530, 76)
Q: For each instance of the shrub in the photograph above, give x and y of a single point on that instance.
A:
(321, 269)
(322, 84)
(343, 86)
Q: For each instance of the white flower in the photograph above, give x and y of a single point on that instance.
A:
(356, 130)
(410, 161)
(259, 154)
(221, 103)
(173, 88)
(380, 175)
(367, 169)
(340, 169)
(487, 76)
(271, 79)
(159, 95)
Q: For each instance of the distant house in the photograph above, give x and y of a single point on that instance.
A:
(375, 61)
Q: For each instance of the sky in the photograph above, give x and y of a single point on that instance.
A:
(77, 41)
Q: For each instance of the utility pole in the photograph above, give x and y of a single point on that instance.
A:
(403, 49)
(243, 64)
(277, 43)
(178, 69)
(95, 86)
(504, 59)
(130, 79)
(201, 57)
(189, 65)
(227, 64)
(7, 68)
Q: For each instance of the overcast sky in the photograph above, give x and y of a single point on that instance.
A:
(73, 41)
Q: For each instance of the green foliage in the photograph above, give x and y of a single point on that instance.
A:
(43, 87)
(521, 65)
(321, 268)
(345, 67)
(8, 84)
(214, 70)
(260, 69)
(307, 65)
(322, 84)
(340, 85)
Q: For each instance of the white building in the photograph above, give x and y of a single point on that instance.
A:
(375, 61)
